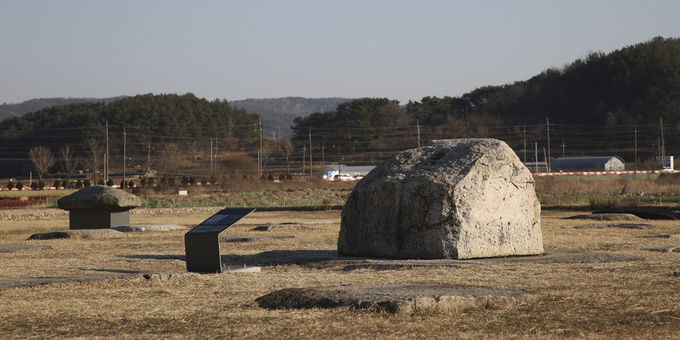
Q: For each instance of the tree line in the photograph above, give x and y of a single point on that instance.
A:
(599, 104)
(168, 123)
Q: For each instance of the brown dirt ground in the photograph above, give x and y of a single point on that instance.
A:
(597, 300)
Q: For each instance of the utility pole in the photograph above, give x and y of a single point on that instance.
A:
(304, 155)
(563, 146)
(124, 157)
(663, 145)
(339, 153)
(106, 156)
(524, 143)
(635, 148)
(323, 159)
(211, 159)
(148, 157)
(535, 157)
(261, 154)
(311, 176)
(545, 160)
(547, 129)
(418, 126)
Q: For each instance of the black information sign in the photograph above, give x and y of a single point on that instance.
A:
(202, 245)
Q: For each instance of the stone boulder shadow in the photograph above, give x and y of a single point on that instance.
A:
(153, 257)
(306, 257)
(332, 259)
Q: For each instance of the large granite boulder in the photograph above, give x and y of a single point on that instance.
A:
(459, 198)
(99, 197)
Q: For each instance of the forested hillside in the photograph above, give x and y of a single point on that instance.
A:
(601, 104)
(165, 125)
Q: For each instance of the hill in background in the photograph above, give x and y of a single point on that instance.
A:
(32, 105)
(278, 113)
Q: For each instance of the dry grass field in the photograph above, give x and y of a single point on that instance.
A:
(636, 299)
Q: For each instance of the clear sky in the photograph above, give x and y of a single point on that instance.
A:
(318, 48)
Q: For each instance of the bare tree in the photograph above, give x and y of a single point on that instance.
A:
(171, 158)
(42, 159)
(93, 147)
(68, 161)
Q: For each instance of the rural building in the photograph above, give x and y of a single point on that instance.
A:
(666, 162)
(333, 170)
(600, 163)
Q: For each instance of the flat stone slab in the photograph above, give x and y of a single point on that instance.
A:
(149, 227)
(605, 217)
(615, 225)
(671, 236)
(79, 233)
(395, 298)
(668, 249)
(332, 259)
(8, 248)
(274, 226)
(235, 238)
(47, 280)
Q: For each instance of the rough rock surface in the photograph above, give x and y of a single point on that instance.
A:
(99, 197)
(395, 298)
(460, 198)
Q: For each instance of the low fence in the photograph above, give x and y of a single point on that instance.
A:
(602, 173)
(544, 199)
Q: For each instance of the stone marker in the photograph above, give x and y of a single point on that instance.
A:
(395, 298)
(459, 198)
(98, 207)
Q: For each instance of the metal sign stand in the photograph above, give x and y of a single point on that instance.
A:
(202, 244)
